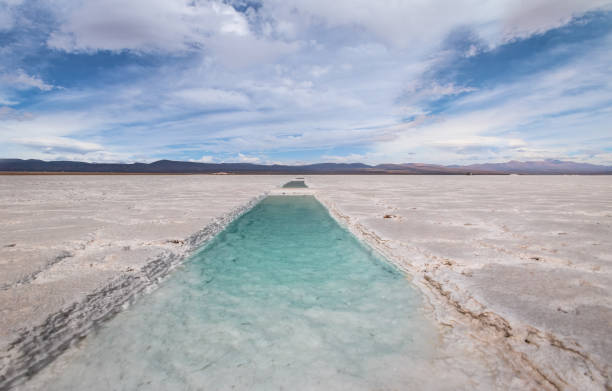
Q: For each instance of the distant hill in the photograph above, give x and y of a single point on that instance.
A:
(549, 166)
(179, 167)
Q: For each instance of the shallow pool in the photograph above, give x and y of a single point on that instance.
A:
(284, 298)
(295, 185)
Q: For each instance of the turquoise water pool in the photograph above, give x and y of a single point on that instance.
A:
(284, 298)
(295, 185)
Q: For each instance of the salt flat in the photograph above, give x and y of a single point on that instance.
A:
(517, 269)
(529, 257)
(64, 236)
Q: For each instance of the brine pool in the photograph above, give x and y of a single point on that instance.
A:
(295, 185)
(284, 298)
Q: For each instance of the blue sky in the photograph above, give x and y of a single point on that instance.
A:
(446, 82)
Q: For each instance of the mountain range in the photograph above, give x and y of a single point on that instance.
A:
(553, 167)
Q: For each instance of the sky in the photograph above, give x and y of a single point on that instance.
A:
(303, 81)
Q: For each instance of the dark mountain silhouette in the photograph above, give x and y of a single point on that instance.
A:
(179, 167)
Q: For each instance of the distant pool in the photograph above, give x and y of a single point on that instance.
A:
(284, 298)
(295, 184)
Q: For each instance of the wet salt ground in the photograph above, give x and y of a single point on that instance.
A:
(283, 299)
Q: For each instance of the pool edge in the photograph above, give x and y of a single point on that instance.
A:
(489, 332)
(37, 346)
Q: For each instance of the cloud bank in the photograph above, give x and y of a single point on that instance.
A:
(302, 81)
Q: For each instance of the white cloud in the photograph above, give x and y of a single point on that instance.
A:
(478, 142)
(212, 98)
(280, 27)
(57, 124)
(8, 113)
(313, 75)
(6, 20)
(163, 26)
(318, 71)
(536, 16)
(417, 92)
(58, 144)
(247, 159)
(350, 158)
(4, 100)
(472, 51)
(543, 116)
(21, 80)
(238, 51)
(141, 25)
(7, 13)
(418, 24)
(204, 159)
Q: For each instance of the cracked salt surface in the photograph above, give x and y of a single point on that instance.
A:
(284, 298)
